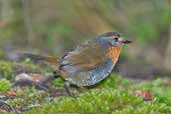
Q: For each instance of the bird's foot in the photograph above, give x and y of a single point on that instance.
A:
(69, 91)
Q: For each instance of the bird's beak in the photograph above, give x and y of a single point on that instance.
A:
(126, 41)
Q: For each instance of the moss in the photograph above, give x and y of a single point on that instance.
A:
(6, 69)
(160, 88)
(113, 96)
(146, 108)
(59, 82)
(30, 97)
(115, 81)
(5, 85)
(91, 102)
(104, 101)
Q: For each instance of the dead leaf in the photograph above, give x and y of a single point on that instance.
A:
(11, 93)
(146, 95)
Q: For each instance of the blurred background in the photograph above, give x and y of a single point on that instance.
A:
(53, 27)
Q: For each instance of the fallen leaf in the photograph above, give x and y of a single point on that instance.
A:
(146, 95)
(12, 93)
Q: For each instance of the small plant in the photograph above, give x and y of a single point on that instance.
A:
(5, 85)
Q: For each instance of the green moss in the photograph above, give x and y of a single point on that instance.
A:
(59, 82)
(6, 69)
(160, 88)
(103, 101)
(30, 97)
(5, 85)
(93, 102)
(113, 96)
(146, 108)
(115, 81)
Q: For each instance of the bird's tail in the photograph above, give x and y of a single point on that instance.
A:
(49, 59)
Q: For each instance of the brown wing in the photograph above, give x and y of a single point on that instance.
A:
(84, 58)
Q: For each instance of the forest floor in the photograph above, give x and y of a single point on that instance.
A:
(23, 89)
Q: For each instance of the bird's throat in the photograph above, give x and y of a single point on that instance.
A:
(114, 53)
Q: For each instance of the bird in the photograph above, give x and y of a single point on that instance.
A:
(89, 63)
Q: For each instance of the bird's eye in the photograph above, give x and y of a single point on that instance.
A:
(116, 39)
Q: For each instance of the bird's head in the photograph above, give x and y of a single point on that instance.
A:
(113, 39)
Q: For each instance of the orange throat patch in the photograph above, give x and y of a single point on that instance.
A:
(114, 53)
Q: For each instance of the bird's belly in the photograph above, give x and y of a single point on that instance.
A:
(92, 77)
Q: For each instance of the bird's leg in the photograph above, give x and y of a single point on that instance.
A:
(67, 88)
(82, 89)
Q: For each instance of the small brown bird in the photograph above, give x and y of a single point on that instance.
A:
(91, 62)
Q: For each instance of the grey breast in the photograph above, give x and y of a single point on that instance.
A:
(92, 77)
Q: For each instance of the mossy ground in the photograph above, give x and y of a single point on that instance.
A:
(114, 95)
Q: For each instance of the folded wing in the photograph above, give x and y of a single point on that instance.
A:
(83, 58)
